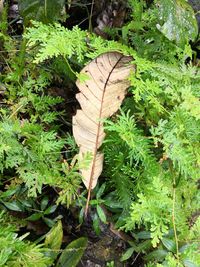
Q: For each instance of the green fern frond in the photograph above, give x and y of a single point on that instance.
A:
(55, 40)
(139, 145)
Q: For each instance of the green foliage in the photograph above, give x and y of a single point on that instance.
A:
(97, 212)
(162, 158)
(174, 18)
(54, 237)
(31, 147)
(46, 11)
(3, 22)
(180, 24)
(36, 160)
(35, 155)
(56, 40)
(15, 251)
(152, 150)
(158, 152)
(132, 158)
(42, 212)
(73, 253)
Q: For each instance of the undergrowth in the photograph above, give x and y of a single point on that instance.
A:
(152, 150)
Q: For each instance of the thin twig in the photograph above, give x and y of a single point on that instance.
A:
(174, 223)
(173, 211)
(135, 258)
(90, 16)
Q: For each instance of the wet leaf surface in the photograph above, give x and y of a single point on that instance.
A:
(177, 21)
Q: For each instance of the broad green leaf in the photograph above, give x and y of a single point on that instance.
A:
(72, 254)
(96, 224)
(44, 203)
(158, 255)
(54, 237)
(94, 202)
(177, 21)
(50, 209)
(101, 190)
(101, 214)
(42, 10)
(169, 244)
(142, 246)
(188, 263)
(34, 217)
(81, 216)
(184, 247)
(48, 221)
(114, 205)
(15, 206)
(10, 192)
(127, 254)
(144, 235)
(111, 201)
(27, 203)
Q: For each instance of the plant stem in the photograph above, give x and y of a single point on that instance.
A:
(71, 73)
(15, 111)
(90, 16)
(173, 218)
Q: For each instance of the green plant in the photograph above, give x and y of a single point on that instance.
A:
(47, 11)
(43, 212)
(161, 156)
(15, 251)
(110, 264)
(153, 147)
(15, 199)
(154, 31)
(151, 151)
(72, 254)
(30, 143)
(95, 204)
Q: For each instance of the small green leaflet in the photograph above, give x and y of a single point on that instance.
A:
(101, 214)
(127, 254)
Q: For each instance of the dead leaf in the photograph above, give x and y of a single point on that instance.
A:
(100, 97)
(1, 6)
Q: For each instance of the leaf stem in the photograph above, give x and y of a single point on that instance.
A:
(173, 209)
(90, 16)
(71, 72)
(173, 217)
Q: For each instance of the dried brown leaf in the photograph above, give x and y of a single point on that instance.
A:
(100, 97)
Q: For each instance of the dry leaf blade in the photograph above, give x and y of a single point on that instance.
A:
(100, 97)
